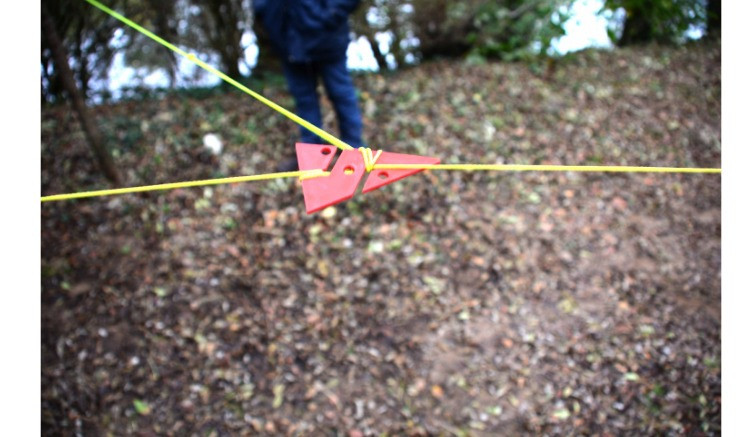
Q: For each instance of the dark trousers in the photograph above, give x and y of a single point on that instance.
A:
(303, 78)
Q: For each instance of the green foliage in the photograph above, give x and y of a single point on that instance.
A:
(515, 29)
(662, 21)
(481, 29)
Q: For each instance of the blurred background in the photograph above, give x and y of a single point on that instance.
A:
(445, 304)
(111, 60)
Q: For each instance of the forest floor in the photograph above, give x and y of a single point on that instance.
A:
(448, 303)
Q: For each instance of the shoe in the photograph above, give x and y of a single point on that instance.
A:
(290, 164)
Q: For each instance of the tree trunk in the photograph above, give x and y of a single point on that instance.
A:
(638, 28)
(225, 35)
(230, 63)
(61, 64)
(268, 60)
(166, 27)
(714, 18)
(382, 64)
(362, 27)
(439, 36)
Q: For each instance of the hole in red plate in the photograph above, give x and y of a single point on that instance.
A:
(325, 150)
(349, 169)
(383, 175)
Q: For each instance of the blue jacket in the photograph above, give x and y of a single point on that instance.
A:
(307, 30)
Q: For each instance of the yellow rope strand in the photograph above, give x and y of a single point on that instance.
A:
(308, 174)
(283, 111)
(523, 167)
(368, 159)
(174, 185)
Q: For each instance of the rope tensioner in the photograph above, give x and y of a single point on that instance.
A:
(348, 171)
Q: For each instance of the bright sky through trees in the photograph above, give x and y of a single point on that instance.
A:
(586, 28)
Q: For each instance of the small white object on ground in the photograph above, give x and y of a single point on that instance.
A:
(213, 143)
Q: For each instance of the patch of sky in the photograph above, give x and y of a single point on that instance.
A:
(587, 27)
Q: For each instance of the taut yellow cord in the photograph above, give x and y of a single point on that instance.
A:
(283, 111)
(170, 186)
(542, 167)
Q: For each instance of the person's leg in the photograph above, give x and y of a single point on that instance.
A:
(340, 89)
(302, 81)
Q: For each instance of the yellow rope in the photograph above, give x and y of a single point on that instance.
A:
(170, 186)
(371, 165)
(283, 111)
(368, 159)
(524, 167)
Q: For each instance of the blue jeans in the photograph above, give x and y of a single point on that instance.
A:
(302, 79)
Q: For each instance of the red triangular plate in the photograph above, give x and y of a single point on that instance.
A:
(378, 178)
(321, 192)
(314, 156)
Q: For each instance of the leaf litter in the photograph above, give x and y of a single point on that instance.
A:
(448, 303)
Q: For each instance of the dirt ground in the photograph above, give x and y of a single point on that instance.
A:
(448, 303)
